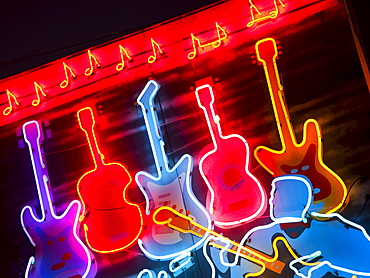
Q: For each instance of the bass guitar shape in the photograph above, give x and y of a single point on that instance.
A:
(235, 196)
(111, 222)
(59, 251)
(304, 158)
(170, 186)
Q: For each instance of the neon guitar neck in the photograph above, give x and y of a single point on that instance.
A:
(87, 124)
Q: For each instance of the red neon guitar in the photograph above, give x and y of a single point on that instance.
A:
(111, 222)
(235, 196)
(59, 251)
(304, 158)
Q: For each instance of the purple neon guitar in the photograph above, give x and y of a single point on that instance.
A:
(59, 251)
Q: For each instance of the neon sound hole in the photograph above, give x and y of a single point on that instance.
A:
(231, 176)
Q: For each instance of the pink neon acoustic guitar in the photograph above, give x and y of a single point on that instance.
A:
(304, 158)
(235, 196)
(111, 222)
(59, 251)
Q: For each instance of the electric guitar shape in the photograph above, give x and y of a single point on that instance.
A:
(169, 187)
(111, 222)
(59, 251)
(271, 266)
(235, 196)
(304, 158)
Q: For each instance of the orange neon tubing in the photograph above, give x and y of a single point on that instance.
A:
(275, 88)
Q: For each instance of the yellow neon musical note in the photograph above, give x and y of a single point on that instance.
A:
(10, 108)
(89, 71)
(38, 90)
(155, 45)
(123, 52)
(65, 83)
(221, 35)
(271, 15)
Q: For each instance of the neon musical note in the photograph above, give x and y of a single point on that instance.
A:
(10, 108)
(39, 90)
(221, 35)
(271, 15)
(65, 83)
(89, 71)
(155, 45)
(123, 53)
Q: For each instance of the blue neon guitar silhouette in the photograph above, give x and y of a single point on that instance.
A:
(169, 187)
(59, 251)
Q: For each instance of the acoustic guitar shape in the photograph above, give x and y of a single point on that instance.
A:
(59, 251)
(168, 187)
(235, 196)
(271, 265)
(111, 222)
(304, 158)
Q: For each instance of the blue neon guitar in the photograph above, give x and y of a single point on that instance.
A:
(59, 251)
(168, 187)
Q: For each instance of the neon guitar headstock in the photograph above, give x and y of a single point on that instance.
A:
(31, 131)
(174, 219)
(148, 93)
(204, 96)
(266, 50)
(86, 119)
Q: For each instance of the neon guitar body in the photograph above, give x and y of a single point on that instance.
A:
(235, 196)
(304, 158)
(111, 222)
(170, 187)
(59, 251)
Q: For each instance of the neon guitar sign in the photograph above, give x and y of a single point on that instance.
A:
(235, 196)
(170, 186)
(59, 251)
(111, 222)
(304, 158)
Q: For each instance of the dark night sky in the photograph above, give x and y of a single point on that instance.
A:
(30, 28)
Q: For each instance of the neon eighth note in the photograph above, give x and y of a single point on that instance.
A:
(271, 15)
(221, 36)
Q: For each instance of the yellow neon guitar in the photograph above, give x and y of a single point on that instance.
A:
(176, 220)
(304, 158)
